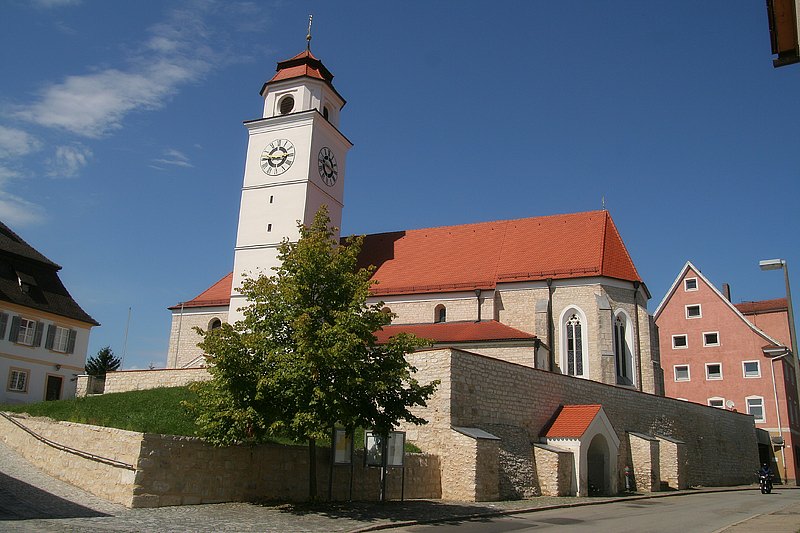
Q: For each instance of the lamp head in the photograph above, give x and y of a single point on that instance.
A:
(771, 264)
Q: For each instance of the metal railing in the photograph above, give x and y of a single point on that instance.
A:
(67, 449)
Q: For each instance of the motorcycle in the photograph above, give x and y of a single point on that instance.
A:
(765, 482)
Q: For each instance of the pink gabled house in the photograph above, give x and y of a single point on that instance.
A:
(733, 356)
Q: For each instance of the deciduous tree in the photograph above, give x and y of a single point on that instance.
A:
(304, 357)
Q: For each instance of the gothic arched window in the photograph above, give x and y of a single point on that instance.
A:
(623, 354)
(574, 345)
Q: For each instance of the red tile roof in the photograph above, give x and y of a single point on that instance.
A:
(219, 294)
(470, 256)
(303, 64)
(763, 306)
(488, 330)
(572, 421)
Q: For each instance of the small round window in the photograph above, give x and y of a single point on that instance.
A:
(286, 105)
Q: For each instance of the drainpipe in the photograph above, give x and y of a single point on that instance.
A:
(478, 297)
(636, 285)
(550, 334)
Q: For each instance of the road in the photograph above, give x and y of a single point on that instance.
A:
(695, 513)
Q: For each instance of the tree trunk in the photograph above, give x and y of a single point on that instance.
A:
(312, 470)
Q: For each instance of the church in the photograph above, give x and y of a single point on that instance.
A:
(548, 360)
(558, 292)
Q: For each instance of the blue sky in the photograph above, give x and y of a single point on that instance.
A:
(122, 146)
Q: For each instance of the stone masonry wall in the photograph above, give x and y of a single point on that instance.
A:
(113, 483)
(128, 380)
(183, 339)
(171, 470)
(484, 393)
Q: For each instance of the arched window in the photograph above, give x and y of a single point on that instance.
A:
(623, 353)
(440, 314)
(215, 323)
(573, 343)
(325, 112)
(574, 346)
(387, 311)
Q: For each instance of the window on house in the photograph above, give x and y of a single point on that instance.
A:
(713, 370)
(681, 372)
(693, 311)
(711, 338)
(215, 323)
(18, 380)
(574, 346)
(717, 402)
(60, 339)
(690, 284)
(27, 331)
(440, 314)
(679, 341)
(755, 407)
(751, 369)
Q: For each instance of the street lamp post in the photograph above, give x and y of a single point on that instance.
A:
(781, 264)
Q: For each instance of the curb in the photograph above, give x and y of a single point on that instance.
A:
(524, 510)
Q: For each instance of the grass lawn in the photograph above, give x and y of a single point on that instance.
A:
(145, 411)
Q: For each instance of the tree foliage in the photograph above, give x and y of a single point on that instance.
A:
(101, 363)
(304, 356)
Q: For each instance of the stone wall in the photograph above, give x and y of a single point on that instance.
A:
(183, 339)
(114, 483)
(169, 470)
(128, 380)
(720, 446)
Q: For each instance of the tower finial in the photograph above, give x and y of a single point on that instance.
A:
(308, 35)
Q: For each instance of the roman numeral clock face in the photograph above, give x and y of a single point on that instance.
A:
(277, 157)
(326, 164)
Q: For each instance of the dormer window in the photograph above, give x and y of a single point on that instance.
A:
(286, 105)
(26, 282)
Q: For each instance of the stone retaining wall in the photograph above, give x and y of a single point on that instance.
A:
(128, 380)
(172, 470)
(719, 446)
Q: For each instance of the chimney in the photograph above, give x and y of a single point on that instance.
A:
(726, 291)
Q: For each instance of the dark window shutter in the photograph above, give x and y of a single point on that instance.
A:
(71, 341)
(37, 337)
(14, 334)
(3, 324)
(51, 336)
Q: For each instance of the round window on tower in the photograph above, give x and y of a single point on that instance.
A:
(286, 105)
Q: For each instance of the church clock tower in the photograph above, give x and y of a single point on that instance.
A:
(295, 164)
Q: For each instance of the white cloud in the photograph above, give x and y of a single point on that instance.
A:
(15, 211)
(16, 143)
(68, 161)
(176, 53)
(175, 158)
(47, 4)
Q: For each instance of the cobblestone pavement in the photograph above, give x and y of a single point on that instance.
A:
(33, 501)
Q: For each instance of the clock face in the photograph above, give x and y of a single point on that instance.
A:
(328, 170)
(277, 157)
